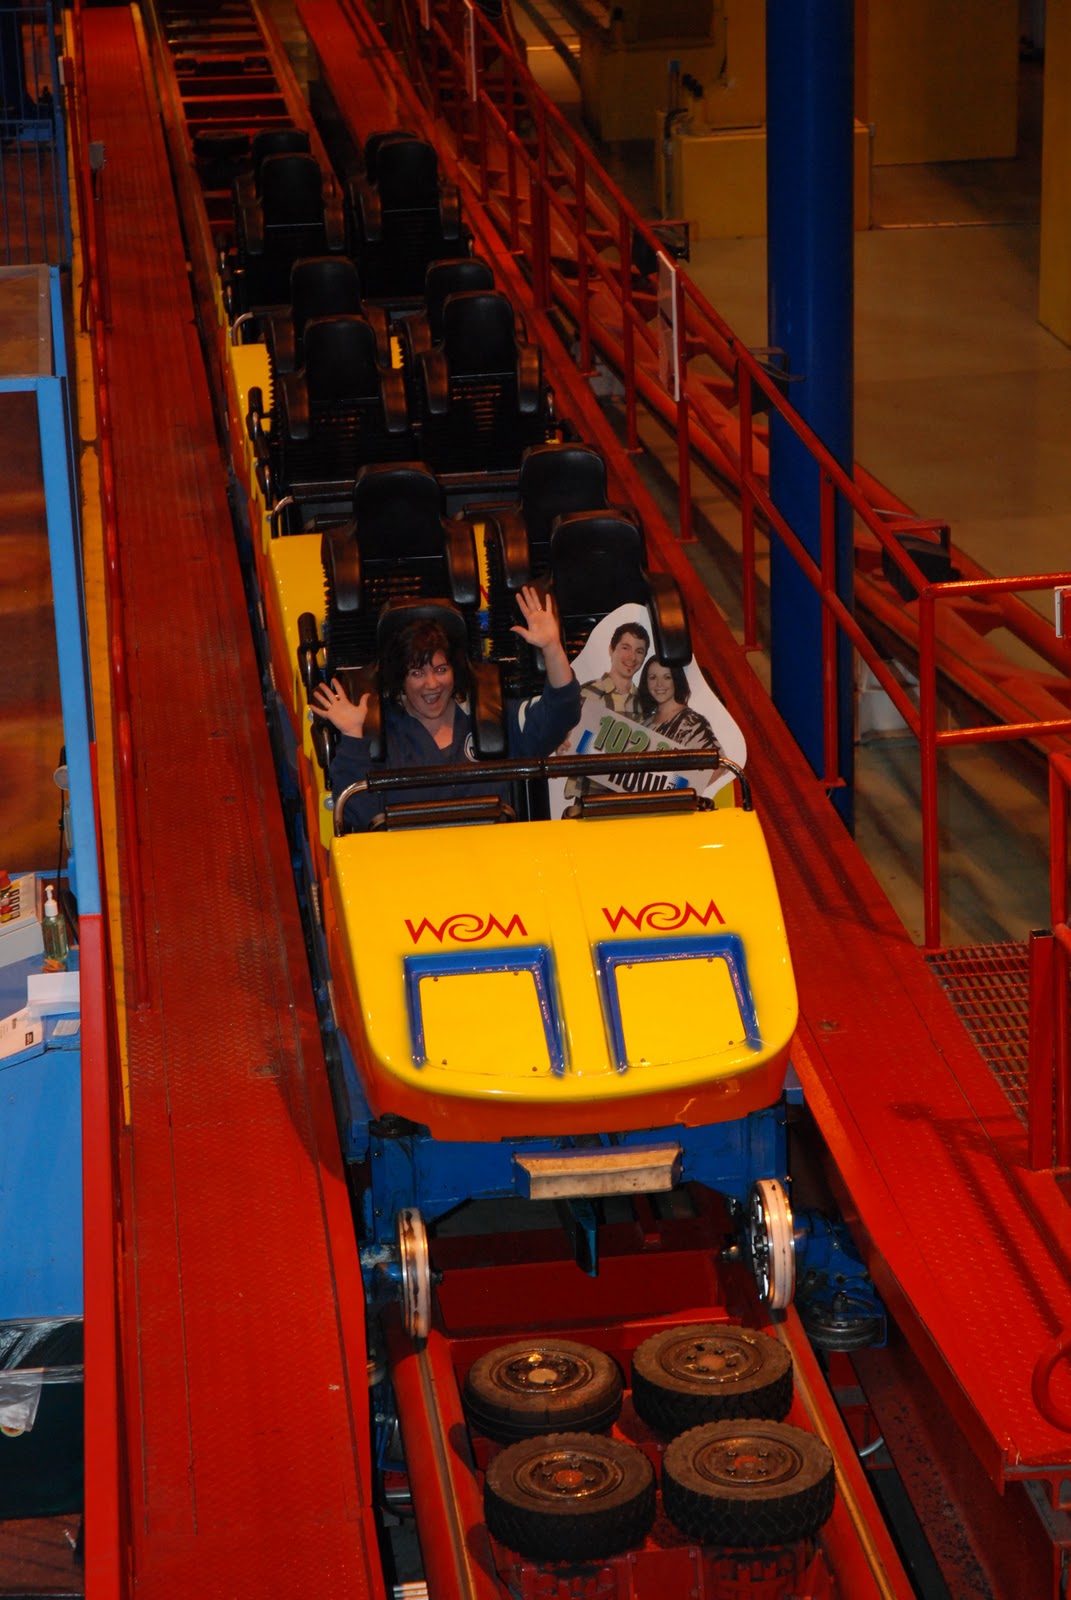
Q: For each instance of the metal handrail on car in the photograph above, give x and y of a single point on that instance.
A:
(531, 769)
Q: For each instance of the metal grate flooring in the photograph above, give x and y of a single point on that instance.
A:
(988, 985)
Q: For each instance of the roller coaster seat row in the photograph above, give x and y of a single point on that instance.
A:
(393, 218)
(473, 402)
(399, 544)
(326, 294)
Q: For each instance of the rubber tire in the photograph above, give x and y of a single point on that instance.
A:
(748, 1514)
(670, 1396)
(556, 1525)
(499, 1404)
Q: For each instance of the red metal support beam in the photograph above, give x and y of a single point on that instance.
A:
(458, 1561)
(1041, 1072)
(106, 1542)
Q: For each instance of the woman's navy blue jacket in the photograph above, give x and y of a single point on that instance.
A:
(536, 728)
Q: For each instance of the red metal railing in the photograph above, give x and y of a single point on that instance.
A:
(680, 362)
(1049, 1094)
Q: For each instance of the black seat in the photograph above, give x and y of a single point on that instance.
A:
(320, 286)
(597, 564)
(373, 145)
(399, 545)
(337, 412)
(277, 142)
(456, 275)
(288, 215)
(482, 395)
(555, 480)
(269, 142)
(404, 219)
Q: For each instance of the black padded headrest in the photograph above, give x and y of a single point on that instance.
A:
(277, 142)
(398, 615)
(398, 510)
(556, 480)
(407, 175)
(291, 190)
(458, 276)
(374, 144)
(340, 360)
(479, 333)
(323, 286)
(596, 561)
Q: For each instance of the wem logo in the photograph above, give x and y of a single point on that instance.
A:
(662, 916)
(467, 927)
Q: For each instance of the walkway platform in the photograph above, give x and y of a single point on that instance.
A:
(243, 1344)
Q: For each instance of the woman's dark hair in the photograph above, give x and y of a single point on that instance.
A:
(646, 704)
(414, 646)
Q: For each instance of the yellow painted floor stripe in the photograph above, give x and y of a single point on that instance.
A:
(97, 622)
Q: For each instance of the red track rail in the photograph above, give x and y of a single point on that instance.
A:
(527, 1288)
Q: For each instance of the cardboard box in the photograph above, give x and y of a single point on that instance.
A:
(20, 934)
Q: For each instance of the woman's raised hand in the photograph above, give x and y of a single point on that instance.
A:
(330, 700)
(540, 625)
(540, 629)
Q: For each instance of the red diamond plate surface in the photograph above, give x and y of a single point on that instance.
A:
(243, 1338)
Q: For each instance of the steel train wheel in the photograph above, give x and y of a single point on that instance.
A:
(569, 1497)
(415, 1268)
(542, 1386)
(707, 1373)
(771, 1243)
(748, 1484)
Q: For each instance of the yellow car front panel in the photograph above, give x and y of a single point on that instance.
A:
(250, 367)
(664, 894)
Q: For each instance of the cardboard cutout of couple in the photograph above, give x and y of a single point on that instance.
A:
(631, 701)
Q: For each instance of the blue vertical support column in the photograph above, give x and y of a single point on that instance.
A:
(809, 132)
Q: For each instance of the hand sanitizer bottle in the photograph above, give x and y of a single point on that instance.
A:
(54, 930)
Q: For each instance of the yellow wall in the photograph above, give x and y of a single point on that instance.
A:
(623, 85)
(941, 78)
(1054, 290)
(737, 97)
(719, 180)
(624, 72)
